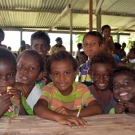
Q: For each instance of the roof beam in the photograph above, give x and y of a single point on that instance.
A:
(73, 11)
(99, 4)
(67, 9)
(126, 26)
(63, 13)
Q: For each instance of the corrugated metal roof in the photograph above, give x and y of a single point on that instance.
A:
(45, 13)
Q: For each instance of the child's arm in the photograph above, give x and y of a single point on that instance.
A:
(93, 108)
(112, 44)
(41, 109)
(4, 103)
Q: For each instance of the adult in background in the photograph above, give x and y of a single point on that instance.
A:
(2, 36)
(122, 51)
(22, 48)
(58, 47)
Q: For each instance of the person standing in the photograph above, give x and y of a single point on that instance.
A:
(58, 47)
(22, 48)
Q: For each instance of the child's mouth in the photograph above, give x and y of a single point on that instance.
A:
(123, 94)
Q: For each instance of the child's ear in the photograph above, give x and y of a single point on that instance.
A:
(40, 76)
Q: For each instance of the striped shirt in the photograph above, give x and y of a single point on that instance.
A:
(78, 98)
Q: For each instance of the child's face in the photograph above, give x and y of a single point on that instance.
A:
(91, 45)
(7, 75)
(63, 76)
(124, 87)
(101, 75)
(106, 32)
(40, 45)
(27, 70)
(82, 58)
(131, 55)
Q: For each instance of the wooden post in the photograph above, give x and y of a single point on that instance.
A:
(98, 18)
(90, 14)
(71, 23)
(20, 36)
(118, 37)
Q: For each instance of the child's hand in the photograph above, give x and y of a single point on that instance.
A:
(5, 102)
(23, 88)
(44, 81)
(15, 95)
(63, 110)
(130, 106)
(70, 120)
(120, 107)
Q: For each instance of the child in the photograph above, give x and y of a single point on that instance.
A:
(30, 67)
(79, 46)
(131, 58)
(82, 57)
(108, 40)
(7, 78)
(100, 70)
(92, 44)
(61, 99)
(40, 42)
(123, 81)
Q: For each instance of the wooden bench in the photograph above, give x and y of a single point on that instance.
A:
(97, 125)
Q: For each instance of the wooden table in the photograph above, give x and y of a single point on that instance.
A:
(97, 125)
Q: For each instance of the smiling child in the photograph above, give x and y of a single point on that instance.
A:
(61, 100)
(100, 69)
(123, 81)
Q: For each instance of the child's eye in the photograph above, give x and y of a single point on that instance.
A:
(35, 46)
(106, 76)
(93, 43)
(67, 73)
(116, 86)
(32, 68)
(20, 65)
(126, 83)
(96, 76)
(10, 75)
(85, 44)
(56, 74)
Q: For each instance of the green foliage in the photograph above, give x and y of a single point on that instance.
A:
(79, 38)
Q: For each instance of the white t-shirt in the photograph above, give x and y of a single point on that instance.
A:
(34, 96)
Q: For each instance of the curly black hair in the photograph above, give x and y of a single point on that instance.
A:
(61, 55)
(40, 35)
(39, 59)
(103, 57)
(5, 54)
(95, 34)
(121, 70)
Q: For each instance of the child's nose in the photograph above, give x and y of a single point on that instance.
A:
(62, 77)
(25, 70)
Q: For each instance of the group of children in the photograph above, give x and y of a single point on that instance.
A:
(111, 87)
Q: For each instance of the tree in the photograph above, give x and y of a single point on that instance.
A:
(79, 38)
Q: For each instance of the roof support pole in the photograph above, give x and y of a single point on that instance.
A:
(90, 14)
(98, 16)
(118, 37)
(20, 36)
(71, 30)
